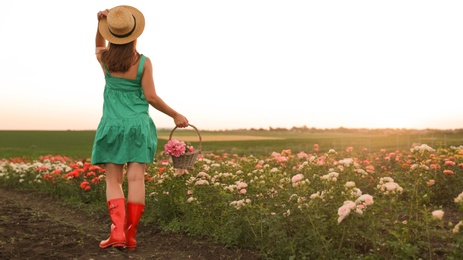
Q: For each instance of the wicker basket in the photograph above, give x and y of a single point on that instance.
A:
(187, 160)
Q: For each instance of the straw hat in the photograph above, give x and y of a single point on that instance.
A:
(122, 25)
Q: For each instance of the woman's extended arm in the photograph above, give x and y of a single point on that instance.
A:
(154, 100)
(100, 42)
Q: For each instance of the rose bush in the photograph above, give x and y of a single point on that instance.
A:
(338, 205)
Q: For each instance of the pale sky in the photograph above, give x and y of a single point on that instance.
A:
(244, 63)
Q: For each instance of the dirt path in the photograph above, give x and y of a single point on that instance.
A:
(34, 226)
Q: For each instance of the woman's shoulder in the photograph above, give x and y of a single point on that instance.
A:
(147, 60)
(146, 57)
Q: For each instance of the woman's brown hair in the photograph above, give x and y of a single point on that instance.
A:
(119, 57)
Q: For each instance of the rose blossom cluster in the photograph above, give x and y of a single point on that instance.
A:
(238, 204)
(298, 180)
(239, 187)
(358, 206)
(176, 148)
(332, 176)
(422, 149)
(388, 186)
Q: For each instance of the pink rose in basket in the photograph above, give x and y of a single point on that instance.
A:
(175, 148)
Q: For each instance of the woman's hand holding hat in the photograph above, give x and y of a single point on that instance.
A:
(102, 14)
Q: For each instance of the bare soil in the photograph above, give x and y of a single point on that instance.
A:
(35, 226)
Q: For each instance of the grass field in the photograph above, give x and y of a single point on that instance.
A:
(78, 144)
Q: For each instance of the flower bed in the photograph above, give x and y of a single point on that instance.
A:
(339, 204)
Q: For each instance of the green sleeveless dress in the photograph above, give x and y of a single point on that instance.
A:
(126, 132)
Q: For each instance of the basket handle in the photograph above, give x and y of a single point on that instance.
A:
(197, 131)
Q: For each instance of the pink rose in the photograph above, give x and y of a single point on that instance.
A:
(241, 185)
(366, 198)
(297, 177)
(390, 186)
(437, 214)
(449, 163)
(174, 148)
(344, 210)
(302, 155)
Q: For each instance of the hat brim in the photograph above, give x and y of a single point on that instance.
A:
(140, 26)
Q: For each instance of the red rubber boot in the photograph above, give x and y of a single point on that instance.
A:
(134, 212)
(116, 209)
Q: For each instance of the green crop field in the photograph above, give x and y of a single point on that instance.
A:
(78, 144)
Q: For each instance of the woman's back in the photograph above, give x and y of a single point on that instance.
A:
(131, 73)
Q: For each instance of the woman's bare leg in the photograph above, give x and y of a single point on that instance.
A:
(114, 179)
(136, 181)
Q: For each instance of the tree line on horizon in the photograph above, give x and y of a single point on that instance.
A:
(306, 129)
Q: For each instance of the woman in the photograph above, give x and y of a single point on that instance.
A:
(126, 135)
